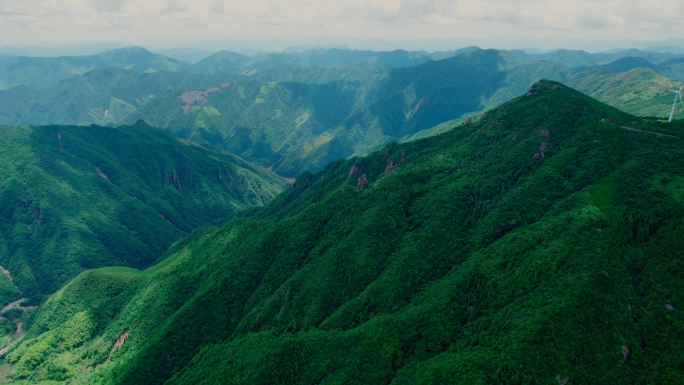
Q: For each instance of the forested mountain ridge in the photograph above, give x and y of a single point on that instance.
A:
(541, 243)
(73, 198)
(298, 111)
(289, 125)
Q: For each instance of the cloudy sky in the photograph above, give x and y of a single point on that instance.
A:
(591, 24)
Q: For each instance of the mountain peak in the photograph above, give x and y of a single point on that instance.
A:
(544, 86)
(134, 49)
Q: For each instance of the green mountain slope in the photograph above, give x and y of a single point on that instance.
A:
(640, 91)
(540, 244)
(73, 198)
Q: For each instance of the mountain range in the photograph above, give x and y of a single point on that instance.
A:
(333, 216)
(538, 243)
(298, 111)
(43, 72)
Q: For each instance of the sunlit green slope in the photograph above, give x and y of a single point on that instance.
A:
(640, 91)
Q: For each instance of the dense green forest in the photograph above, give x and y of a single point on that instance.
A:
(540, 243)
(74, 198)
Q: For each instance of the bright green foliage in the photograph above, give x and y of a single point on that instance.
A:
(73, 198)
(541, 243)
(8, 290)
(640, 91)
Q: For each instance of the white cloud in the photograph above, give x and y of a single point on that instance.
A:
(109, 5)
(139, 21)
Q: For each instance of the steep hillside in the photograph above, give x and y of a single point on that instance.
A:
(73, 198)
(540, 244)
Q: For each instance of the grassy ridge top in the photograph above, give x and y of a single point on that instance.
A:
(539, 244)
